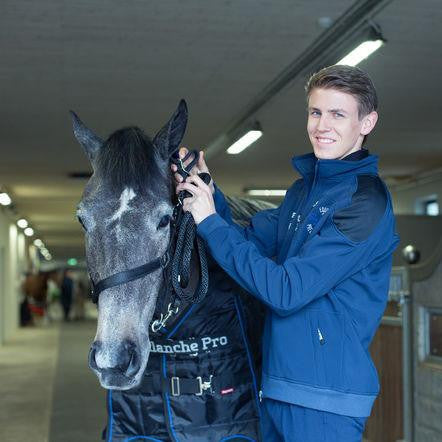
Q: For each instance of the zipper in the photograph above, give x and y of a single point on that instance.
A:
(321, 337)
(306, 208)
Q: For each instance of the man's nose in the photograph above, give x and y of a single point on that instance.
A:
(323, 124)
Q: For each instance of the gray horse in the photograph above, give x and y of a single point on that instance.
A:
(125, 211)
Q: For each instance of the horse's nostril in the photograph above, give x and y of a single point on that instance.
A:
(134, 364)
(129, 346)
(92, 352)
(130, 360)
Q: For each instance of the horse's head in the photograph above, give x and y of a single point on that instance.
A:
(125, 211)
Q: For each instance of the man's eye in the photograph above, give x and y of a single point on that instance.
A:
(165, 220)
(338, 115)
(315, 113)
(82, 223)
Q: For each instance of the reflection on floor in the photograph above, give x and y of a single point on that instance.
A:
(48, 394)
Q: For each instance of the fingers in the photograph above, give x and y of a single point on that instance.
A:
(194, 190)
(187, 205)
(197, 181)
(202, 166)
(199, 167)
(183, 152)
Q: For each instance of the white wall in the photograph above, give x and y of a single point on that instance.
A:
(12, 264)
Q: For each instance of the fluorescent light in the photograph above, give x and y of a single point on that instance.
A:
(363, 51)
(245, 141)
(266, 192)
(29, 231)
(22, 223)
(38, 242)
(5, 199)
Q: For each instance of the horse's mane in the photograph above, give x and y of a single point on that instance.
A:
(128, 158)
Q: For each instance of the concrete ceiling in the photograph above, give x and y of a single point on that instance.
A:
(119, 63)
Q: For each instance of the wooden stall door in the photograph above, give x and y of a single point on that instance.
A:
(386, 421)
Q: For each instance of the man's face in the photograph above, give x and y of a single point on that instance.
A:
(333, 125)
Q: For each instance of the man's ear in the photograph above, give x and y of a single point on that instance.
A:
(91, 143)
(168, 139)
(369, 122)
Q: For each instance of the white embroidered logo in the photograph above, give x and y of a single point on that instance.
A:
(309, 228)
(323, 210)
(298, 220)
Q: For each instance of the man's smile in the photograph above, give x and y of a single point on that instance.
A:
(324, 140)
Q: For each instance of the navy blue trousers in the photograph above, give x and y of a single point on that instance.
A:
(283, 422)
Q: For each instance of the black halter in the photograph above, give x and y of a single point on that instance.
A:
(128, 275)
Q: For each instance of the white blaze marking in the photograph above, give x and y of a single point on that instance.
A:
(126, 196)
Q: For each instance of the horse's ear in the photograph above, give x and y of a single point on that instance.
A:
(90, 142)
(168, 139)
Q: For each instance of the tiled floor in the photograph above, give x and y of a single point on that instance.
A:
(48, 394)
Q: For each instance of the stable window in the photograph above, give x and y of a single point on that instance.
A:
(431, 207)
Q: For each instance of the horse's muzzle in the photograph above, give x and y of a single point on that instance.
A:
(117, 366)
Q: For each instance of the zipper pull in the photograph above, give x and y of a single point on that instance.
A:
(260, 395)
(321, 338)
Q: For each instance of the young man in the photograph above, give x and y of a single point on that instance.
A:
(321, 264)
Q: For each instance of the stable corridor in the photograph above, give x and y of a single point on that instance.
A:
(48, 393)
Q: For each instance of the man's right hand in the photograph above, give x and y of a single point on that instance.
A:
(199, 167)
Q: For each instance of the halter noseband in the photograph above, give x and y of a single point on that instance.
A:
(128, 275)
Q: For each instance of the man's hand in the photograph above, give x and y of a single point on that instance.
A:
(200, 204)
(199, 167)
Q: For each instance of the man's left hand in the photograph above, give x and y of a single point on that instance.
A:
(200, 204)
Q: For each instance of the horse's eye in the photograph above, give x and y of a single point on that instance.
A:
(165, 220)
(81, 222)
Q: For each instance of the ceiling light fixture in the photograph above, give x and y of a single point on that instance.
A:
(38, 243)
(5, 199)
(22, 223)
(363, 51)
(266, 192)
(29, 231)
(246, 140)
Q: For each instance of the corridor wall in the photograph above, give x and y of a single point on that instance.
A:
(12, 266)
(406, 198)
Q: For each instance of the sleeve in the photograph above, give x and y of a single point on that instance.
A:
(262, 230)
(323, 262)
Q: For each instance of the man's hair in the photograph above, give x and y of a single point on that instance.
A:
(348, 79)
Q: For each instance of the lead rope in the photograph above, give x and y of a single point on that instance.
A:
(188, 243)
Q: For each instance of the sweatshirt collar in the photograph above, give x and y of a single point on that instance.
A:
(359, 162)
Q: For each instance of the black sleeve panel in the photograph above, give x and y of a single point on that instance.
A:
(367, 207)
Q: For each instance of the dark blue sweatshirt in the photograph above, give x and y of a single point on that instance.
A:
(321, 263)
